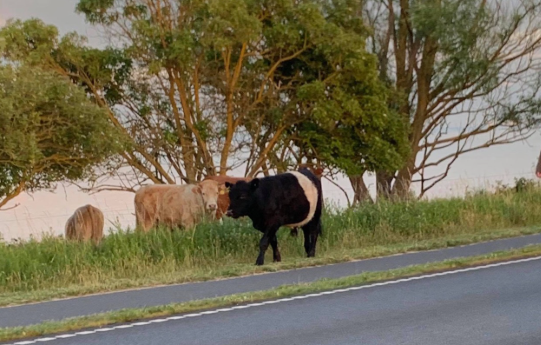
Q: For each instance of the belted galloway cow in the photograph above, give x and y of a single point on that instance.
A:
(292, 199)
(175, 205)
(223, 198)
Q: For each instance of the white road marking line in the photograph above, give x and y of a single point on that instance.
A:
(138, 324)
(281, 300)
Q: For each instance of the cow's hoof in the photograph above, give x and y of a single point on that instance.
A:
(277, 259)
(259, 262)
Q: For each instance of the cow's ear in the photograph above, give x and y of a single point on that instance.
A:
(254, 184)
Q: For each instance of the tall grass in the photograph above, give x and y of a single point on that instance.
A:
(126, 256)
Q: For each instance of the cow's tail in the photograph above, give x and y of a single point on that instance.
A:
(319, 208)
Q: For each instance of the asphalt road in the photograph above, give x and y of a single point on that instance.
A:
(498, 305)
(56, 310)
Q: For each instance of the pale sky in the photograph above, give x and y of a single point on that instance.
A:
(45, 211)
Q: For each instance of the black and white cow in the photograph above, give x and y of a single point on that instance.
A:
(292, 199)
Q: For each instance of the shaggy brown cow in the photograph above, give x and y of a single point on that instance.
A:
(175, 205)
(85, 224)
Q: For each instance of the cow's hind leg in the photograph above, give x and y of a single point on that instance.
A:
(311, 233)
(276, 257)
(269, 234)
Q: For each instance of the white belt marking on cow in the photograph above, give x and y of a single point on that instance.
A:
(310, 191)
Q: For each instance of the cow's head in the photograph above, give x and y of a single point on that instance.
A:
(209, 190)
(241, 197)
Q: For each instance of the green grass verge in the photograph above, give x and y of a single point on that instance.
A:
(127, 315)
(53, 268)
(15, 298)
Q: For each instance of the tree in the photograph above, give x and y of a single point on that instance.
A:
(49, 132)
(205, 86)
(351, 128)
(472, 64)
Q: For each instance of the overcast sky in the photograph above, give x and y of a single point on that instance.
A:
(49, 211)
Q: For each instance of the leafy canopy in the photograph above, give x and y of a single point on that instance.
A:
(205, 86)
(49, 131)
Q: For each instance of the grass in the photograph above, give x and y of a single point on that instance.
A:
(127, 315)
(54, 268)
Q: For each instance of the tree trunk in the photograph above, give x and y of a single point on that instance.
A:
(384, 180)
(360, 191)
(401, 188)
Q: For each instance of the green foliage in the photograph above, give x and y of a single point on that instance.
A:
(125, 256)
(218, 74)
(350, 125)
(49, 131)
(522, 185)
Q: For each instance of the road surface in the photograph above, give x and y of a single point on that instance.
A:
(57, 310)
(496, 305)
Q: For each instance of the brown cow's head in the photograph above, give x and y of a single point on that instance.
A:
(538, 168)
(315, 169)
(210, 190)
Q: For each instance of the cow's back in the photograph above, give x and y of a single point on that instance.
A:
(182, 206)
(147, 203)
(85, 224)
(168, 204)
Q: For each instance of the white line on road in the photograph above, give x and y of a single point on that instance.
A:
(288, 299)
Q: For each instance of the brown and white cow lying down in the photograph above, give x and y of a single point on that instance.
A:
(175, 205)
(85, 224)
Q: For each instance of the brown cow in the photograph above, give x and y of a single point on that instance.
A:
(85, 224)
(175, 205)
(223, 199)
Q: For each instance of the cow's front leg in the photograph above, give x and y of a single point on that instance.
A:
(264, 244)
(311, 232)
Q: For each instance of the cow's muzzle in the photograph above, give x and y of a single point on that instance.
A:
(229, 213)
(212, 207)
